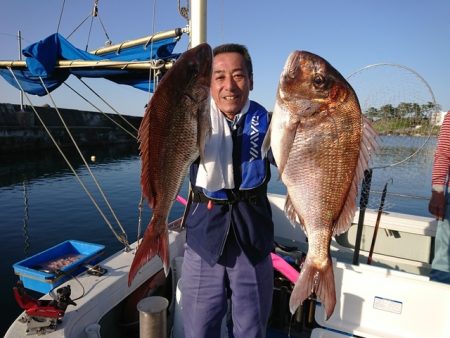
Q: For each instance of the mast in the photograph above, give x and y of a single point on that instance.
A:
(198, 22)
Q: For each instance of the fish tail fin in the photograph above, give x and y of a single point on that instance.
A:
(319, 280)
(154, 243)
(163, 252)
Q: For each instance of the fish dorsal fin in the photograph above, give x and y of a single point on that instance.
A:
(369, 146)
(144, 148)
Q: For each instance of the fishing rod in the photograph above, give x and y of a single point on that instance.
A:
(377, 224)
(364, 200)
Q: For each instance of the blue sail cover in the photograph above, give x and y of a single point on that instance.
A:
(42, 57)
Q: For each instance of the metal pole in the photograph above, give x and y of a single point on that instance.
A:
(198, 22)
(19, 38)
(365, 190)
(153, 317)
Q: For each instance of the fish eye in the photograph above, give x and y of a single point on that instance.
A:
(318, 80)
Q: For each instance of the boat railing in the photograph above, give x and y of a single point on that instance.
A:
(404, 242)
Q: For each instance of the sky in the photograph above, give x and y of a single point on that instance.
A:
(350, 34)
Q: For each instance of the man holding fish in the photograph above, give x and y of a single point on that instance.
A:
(229, 228)
(321, 143)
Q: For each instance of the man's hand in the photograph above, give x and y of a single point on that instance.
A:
(437, 204)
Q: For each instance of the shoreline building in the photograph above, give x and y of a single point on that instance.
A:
(438, 117)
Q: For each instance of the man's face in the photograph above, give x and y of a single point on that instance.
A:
(230, 83)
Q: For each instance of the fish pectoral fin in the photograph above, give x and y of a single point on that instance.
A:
(292, 214)
(266, 142)
(287, 138)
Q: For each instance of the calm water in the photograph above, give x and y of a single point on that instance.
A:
(42, 204)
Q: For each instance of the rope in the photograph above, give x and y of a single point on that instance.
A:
(76, 28)
(140, 208)
(93, 14)
(89, 33)
(121, 238)
(108, 41)
(84, 160)
(104, 114)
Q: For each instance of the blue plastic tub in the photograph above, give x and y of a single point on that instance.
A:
(48, 269)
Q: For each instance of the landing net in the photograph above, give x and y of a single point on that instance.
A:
(403, 110)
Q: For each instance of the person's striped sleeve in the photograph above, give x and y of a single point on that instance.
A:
(441, 165)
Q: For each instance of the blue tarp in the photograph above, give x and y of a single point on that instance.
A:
(42, 56)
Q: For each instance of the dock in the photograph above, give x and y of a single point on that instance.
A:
(21, 130)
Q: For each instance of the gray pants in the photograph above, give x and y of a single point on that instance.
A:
(204, 290)
(441, 263)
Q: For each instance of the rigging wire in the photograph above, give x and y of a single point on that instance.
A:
(150, 41)
(84, 160)
(154, 72)
(108, 41)
(122, 238)
(60, 15)
(101, 111)
(95, 14)
(92, 15)
(76, 28)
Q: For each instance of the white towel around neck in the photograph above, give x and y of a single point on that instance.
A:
(216, 167)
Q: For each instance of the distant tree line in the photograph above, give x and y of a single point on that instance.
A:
(404, 110)
(404, 119)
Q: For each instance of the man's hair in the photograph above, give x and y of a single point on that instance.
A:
(236, 48)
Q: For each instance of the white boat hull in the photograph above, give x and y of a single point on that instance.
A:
(391, 298)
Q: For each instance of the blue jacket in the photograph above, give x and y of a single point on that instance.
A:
(246, 213)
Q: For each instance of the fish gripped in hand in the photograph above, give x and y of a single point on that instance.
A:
(171, 136)
(321, 143)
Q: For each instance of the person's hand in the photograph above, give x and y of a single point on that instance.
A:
(437, 204)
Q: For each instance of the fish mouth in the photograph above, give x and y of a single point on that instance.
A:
(203, 58)
(289, 77)
(292, 65)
